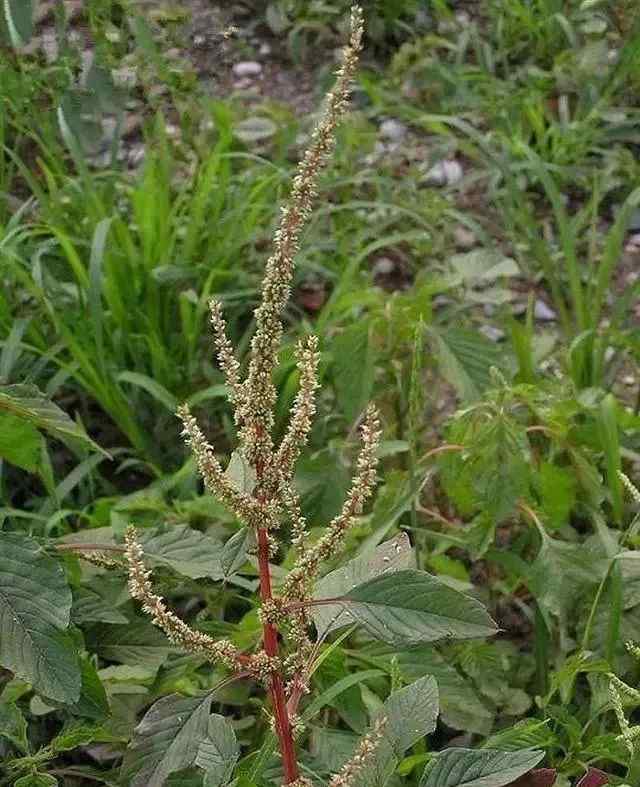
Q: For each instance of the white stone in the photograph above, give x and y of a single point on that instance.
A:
(247, 68)
(542, 312)
(447, 172)
(393, 129)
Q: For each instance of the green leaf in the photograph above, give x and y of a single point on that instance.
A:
(460, 705)
(478, 767)
(18, 15)
(167, 739)
(35, 607)
(36, 780)
(255, 129)
(234, 553)
(241, 473)
(608, 430)
(29, 403)
(353, 369)
(410, 713)
(187, 551)
(90, 607)
(13, 726)
(562, 572)
(218, 752)
(93, 702)
(411, 607)
(78, 734)
(465, 359)
(391, 556)
(152, 387)
(482, 266)
(139, 644)
(557, 492)
(20, 442)
(526, 734)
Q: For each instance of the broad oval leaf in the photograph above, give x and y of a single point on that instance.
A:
(394, 555)
(167, 739)
(218, 753)
(183, 549)
(478, 767)
(35, 607)
(410, 714)
(411, 607)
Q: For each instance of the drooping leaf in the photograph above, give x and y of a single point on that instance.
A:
(35, 607)
(478, 767)
(218, 752)
(391, 556)
(354, 367)
(482, 266)
(411, 607)
(183, 549)
(240, 472)
(167, 739)
(30, 404)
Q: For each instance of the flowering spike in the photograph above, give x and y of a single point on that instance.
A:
(259, 387)
(214, 478)
(363, 754)
(176, 630)
(226, 359)
(307, 565)
(303, 410)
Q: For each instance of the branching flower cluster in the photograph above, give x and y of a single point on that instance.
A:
(273, 499)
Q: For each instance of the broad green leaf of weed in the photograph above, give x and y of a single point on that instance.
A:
(478, 767)
(35, 607)
(558, 490)
(393, 555)
(168, 739)
(218, 752)
(353, 369)
(461, 707)
(411, 714)
(20, 442)
(410, 607)
(13, 726)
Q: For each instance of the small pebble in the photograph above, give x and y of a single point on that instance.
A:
(543, 312)
(247, 68)
(464, 238)
(447, 172)
(492, 333)
(383, 266)
(393, 130)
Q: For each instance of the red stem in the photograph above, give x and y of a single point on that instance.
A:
(276, 689)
